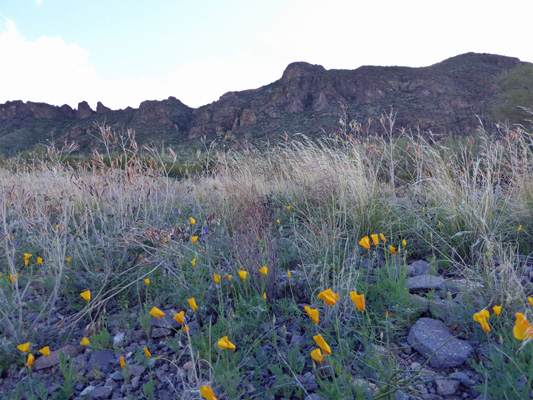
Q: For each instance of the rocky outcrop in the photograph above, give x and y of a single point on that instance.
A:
(447, 98)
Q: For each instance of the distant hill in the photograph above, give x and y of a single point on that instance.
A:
(446, 98)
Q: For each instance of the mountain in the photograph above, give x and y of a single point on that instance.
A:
(449, 97)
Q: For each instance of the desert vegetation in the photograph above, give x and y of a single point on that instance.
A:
(272, 272)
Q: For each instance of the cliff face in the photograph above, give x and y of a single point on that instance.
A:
(446, 98)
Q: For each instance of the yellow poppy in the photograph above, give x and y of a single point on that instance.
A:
(329, 297)
(265, 295)
(289, 208)
(224, 343)
(365, 242)
(440, 224)
(122, 362)
(404, 242)
(192, 303)
(375, 239)
(193, 262)
(519, 228)
(147, 281)
(165, 239)
(358, 300)
(13, 277)
(382, 237)
(192, 220)
(27, 256)
(86, 295)
(264, 270)
(84, 342)
(185, 328)
(180, 317)
(497, 310)
(26, 262)
(39, 260)
(522, 328)
(156, 313)
(313, 314)
(194, 239)
(30, 361)
(317, 355)
(67, 259)
(217, 278)
(288, 274)
(530, 299)
(392, 250)
(277, 221)
(147, 352)
(482, 318)
(45, 351)
(243, 274)
(24, 347)
(319, 340)
(207, 393)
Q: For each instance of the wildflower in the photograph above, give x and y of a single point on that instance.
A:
(313, 313)
(530, 299)
(392, 250)
(288, 274)
(194, 239)
(243, 274)
(147, 352)
(24, 347)
(30, 361)
(440, 224)
(424, 209)
(122, 362)
(45, 351)
(39, 260)
(67, 259)
(86, 295)
(217, 278)
(264, 270)
(365, 242)
(319, 340)
(382, 237)
(317, 355)
(277, 221)
(265, 295)
(522, 328)
(165, 239)
(375, 239)
(193, 262)
(147, 281)
(192, 220)
(57, 226)
(288, 208)
(26, 262)
(519, 228)
(358, 300)
(13, 277)
(227, 276)
(387, 314)
(224, 343)
(482, 318)
(497, 310)
(27, 256)
(185, 328)
(180, 317)
(84, 342)
(192, 303)
(329, 297)
(404, 242)
(156, 313)
(207, 393)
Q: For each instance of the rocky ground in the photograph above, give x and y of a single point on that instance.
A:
(429, 356)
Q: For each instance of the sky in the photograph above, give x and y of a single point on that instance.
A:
(124, 52)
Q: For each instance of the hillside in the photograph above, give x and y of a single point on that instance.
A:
(446, 98)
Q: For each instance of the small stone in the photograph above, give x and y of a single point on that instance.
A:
(447, 387)
(425, 283)
(118, 339)
(136, 370)
(117, 376)
(463, 378)
(102, 392)
(160, 332)
(399, 395)
(419, 267)
(135, 382)
(87, 391)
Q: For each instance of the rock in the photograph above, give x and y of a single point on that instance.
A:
(308, 381)
(103, 360)
(136, 370)
(53, 359)
(399, 395)
(101, 109)
(118, 339)
(117, 376)
(425, 283)
(432, 338)
(102, 392)
(419, 267)
(160, 332)
(447, 387)
(84, 110)
(463, 378)
(444, 310)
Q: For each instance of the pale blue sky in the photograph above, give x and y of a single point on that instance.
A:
(123, 52)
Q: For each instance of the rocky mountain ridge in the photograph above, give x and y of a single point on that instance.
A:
(449, 97)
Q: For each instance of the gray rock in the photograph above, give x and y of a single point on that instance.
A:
(432, 338)
(308, 381)
(87, 391)
(447, 387)
(399, 395)
(425, 283)
(419, 267)
(102, 359)
(118, 339)
(117, 376)
(102, 392)
(463, 378)
(135, 382)
(136, 370)
(160, 332)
